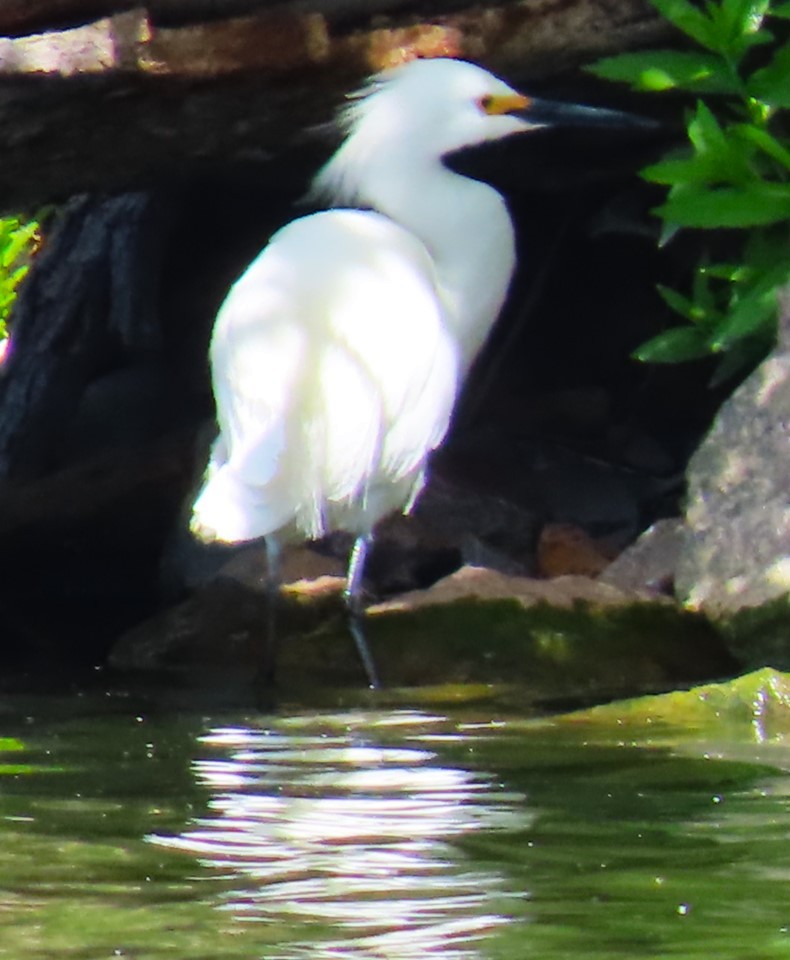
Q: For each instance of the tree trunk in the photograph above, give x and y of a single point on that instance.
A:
(92, 294)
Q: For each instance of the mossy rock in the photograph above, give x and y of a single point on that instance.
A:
(752, 707)
(574, 650)
(758, 636)
(581, 652)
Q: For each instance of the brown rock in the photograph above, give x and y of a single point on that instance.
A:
(564, 548)
(483, 584)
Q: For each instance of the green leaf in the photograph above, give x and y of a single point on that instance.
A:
(727, 157)
(705, 132)
(780, 10)
(7, 227)
(771, 84)
(742, 356)
(658, 70)
(690, 19)
(754, 306)
(753, 204)
(17, 239)
(674, 346)
(700, 309)
(722, 167)
(753, 313)
(704, 297)
(676, 301)
(694, 169)
(764, 141)
(718, 157)
(737, 25)
(730, 272)
(17, 276)
(20, 239)
(765, 250)
(6, 302)
(743, 17)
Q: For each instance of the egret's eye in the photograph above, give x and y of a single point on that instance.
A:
(486, 103)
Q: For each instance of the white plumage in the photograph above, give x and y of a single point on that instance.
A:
(334, 375)
(339, 354)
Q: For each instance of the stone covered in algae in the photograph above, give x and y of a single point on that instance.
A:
(567, 639)
(754, 707)
(558, 640)
(758, 636)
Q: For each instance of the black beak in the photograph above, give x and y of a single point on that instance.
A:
(550, 113)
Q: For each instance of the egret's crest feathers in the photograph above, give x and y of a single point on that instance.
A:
(337, 183)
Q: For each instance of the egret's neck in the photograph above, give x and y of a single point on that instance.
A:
(467, 229)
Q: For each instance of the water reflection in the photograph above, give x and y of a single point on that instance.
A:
(352, 826)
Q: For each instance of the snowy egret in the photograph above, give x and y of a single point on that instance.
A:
(338, 355)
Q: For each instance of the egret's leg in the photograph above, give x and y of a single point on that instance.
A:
(355, 605)
(268, 655)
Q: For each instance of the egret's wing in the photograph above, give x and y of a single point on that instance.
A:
(256, 353)
(256, 350)
(332, 373)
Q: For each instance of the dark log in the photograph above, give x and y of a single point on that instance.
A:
(90, 296)
(142, 96)
(23, 17)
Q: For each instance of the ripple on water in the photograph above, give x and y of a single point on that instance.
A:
(353, 836)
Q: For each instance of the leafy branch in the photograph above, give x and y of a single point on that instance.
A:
(733, 174)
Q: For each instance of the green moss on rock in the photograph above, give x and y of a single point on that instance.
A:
(759, 636)
(754, 707)
(580, 651)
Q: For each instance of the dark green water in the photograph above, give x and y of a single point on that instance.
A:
(395, 833)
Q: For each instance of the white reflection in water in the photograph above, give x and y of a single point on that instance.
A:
(337, 830)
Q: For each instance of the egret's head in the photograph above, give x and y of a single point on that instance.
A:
(420, 111)
(436, 106)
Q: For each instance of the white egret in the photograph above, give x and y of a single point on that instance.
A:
(339, 354)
